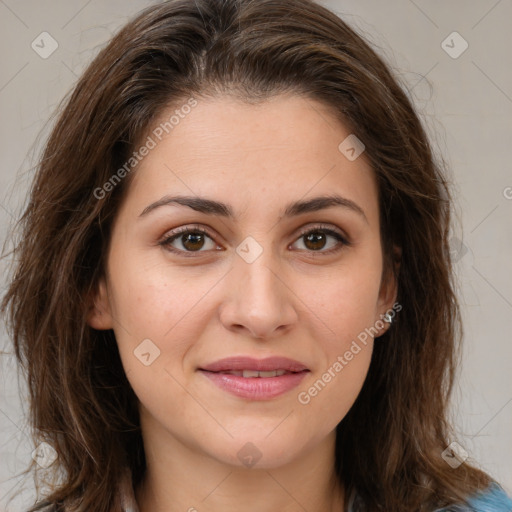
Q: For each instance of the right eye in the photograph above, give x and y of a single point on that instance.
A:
(191, 239)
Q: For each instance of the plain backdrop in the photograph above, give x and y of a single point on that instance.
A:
(462, 86)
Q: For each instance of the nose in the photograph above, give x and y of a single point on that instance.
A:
(259, 302)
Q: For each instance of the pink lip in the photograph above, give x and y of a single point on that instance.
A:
(255, 388)
(250, 363)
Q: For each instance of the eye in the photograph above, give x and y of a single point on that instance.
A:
(191, 238)
(194, 238)
(315, 239)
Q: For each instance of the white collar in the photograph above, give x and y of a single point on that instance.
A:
(128, 503)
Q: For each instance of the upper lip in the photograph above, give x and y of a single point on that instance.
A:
(250, 363)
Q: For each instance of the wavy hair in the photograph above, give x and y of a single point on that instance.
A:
(389, 445)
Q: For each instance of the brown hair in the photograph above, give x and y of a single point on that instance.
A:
(389, 445)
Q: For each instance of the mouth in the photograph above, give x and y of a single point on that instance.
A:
(252, 374)
(246, 366)
(255, 379)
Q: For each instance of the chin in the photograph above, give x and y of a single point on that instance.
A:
(256, 452)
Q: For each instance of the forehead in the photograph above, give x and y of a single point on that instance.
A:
(252, 156)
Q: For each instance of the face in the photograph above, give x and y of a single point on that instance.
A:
(259, 277)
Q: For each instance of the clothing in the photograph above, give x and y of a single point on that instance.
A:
(128, 503)
(494, 499)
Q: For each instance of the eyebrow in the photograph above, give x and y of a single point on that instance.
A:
(212, 207)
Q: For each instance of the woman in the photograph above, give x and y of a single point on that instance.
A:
(233, 288)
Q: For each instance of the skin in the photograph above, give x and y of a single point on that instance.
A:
(291, 301)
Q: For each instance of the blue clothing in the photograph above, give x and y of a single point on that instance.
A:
(494, 499)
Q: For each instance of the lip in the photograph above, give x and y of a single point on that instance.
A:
(250, 363)
(255, 388)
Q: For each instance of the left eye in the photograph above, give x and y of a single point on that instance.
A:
(318, 236)
(193, 240)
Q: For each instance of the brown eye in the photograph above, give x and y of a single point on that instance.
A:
(190, 240)
(316, 239)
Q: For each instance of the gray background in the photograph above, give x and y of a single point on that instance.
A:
(465, 102)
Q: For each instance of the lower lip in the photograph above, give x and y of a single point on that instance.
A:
(255, 388)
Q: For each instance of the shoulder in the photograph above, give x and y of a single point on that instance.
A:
(493, 499)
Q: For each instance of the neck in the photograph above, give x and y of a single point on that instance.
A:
(179, 478)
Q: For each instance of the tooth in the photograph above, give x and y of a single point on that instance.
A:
(255, 373)
(272, 373)
(250, 373)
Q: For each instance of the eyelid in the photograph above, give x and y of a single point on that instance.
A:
(329, 228)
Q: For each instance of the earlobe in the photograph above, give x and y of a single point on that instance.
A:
(99, 316)
(389, 292)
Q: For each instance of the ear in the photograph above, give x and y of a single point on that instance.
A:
(99, 315)
(389, 291)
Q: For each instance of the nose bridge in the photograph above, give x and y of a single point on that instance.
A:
(259, 284)
(259, 302)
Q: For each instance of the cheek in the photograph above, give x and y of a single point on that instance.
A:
(344, 299)
(345, 302)
(336, 382)
(152, 295)
(332, 390)
(153, 301)
(158, 318)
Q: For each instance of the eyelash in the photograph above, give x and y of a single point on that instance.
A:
(167, 240)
